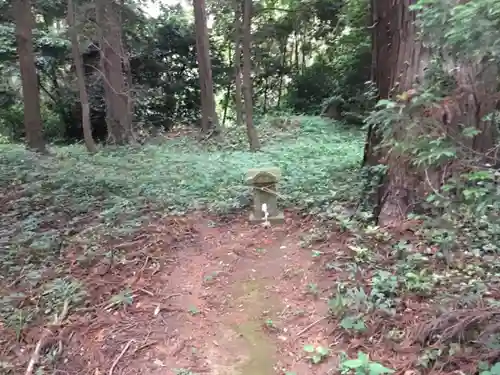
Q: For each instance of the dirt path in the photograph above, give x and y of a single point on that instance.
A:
(241, 300)
(230, 302)
(249, 286)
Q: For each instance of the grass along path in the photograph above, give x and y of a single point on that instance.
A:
(115, 191)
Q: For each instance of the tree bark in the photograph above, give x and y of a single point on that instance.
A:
(227, 98)
(128, 74)
(296, 50)
(237, 63)
(399, 60)
(100, 10)
(209, 120)
(266, 90)
(227, 95)
(80, 79)
(118, 116)
(253, 138)
(303, 50)
(32, 115)
(282, 70)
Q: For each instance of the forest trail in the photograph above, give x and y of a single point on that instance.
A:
(231, 299)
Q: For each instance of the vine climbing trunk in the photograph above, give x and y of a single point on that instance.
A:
(405, 58)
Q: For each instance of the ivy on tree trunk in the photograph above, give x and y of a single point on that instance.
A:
(400, 59)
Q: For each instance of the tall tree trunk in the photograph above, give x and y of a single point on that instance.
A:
(100, 10)
(119, 119)
(31, 96)
(380, 75)
(128, 74)
(209, 120)
(303, 50)
(296, 51)
(266, 89)
(117, 78)
(80, 79)
(282, 72)
(227, 96)
(237, 62)
(253, 138)
(399, 60)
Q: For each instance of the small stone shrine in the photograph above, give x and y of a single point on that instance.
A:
(263, 182)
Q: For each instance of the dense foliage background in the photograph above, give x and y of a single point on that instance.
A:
(302, 61)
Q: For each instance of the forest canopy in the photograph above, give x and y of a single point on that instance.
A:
(298, 63)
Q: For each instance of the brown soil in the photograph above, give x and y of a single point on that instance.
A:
(210, 297)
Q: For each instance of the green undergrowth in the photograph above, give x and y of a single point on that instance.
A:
(49, 198)
(410, 291)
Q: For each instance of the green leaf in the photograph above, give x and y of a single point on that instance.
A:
(353, 363)
(350, 322)
(359, 325)
(385, 103)
(377, 369)
(316, 253)
(322, 351)
(316, 359)
(495, 369)
(363, 357)
(347, 322)
(470, 132)
(309, 348)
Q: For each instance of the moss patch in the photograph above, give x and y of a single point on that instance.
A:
(261, 350)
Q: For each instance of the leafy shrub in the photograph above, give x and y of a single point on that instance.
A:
(308, 90)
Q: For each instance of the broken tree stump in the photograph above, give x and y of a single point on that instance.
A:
(263, 182)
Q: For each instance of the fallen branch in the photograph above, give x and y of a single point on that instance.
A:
(145, 291)
(43, 339)
(172, 295)
(141, 271)
(115, 362)
(310, 326)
